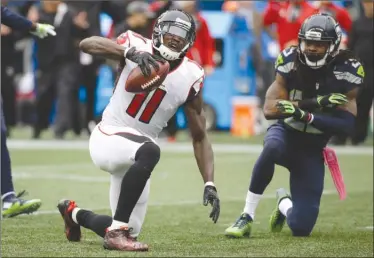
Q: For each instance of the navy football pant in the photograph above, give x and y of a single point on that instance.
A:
(7, 188)
(307, 173)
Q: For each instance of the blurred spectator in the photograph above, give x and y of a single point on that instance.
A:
(158, 7)
(201, 52)
(90, 64)
(288, 17)
(361, 43)
(264, 65)
(340, 14)
(138, 19)
(58, 65)
(203, 49)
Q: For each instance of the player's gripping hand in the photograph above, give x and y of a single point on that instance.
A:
(211, 196)
(43, 30)
(286, 107)
(332, 99)
(329, 100)
(144, 59)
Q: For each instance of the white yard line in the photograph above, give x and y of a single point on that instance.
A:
(166, 147)
(179, 203)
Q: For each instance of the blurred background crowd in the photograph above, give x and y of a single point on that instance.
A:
(50, 84)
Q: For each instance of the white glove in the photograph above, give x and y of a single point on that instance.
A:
(43, 30)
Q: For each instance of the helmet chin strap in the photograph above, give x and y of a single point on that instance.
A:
(318, 64)
(167, 53)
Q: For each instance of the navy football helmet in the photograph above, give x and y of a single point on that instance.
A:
(320, 28)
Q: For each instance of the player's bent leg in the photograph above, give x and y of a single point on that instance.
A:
(132, 186)
(138, 214)
(278, 217)
(140, 210)
(135, 180)
(274, 152)
(114, 150)
(306, 184)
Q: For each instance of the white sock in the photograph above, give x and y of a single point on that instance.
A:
(251, 203)
(117, 225)
(74, 215)
(284, 205)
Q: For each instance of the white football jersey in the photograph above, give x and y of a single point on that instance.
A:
(149, 113)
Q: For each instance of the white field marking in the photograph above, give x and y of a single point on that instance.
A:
(66, 177)
(166, 147)
(173, 203)
(367, 228)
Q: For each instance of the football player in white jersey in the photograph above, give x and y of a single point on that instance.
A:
(124, 143)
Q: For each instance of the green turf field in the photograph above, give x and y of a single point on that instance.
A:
(177, 223)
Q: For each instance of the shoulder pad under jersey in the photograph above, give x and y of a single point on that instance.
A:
(350, 71)
(285, 61)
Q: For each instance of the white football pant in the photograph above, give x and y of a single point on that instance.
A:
(115, 154)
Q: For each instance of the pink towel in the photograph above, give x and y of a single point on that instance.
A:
(332, 162)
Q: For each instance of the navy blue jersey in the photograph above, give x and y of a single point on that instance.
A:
(303, 82)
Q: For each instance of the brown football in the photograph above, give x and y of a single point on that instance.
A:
(137, 82)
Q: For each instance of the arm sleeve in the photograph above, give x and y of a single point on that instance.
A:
(14, 20)
(195, 88)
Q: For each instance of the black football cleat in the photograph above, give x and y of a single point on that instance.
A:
(72, 229)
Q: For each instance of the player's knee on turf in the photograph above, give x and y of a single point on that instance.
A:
(302, 220)
(148, 156)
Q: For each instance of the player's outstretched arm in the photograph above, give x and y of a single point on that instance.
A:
(18, 22)
(276, 92)
(202, 147)
(102, 47)
(203, 152)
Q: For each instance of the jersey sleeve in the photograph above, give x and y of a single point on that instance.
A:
(196, 88)
(131, 39)
(285, 61)
(124, 39)
(351, 74)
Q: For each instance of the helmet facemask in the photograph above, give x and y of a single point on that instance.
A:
(172, 39)
(314, 56)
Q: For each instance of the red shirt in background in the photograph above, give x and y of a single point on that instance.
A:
(279, 13)
(204, 47)
(340, 14)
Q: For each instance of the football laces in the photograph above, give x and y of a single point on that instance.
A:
(150, 83)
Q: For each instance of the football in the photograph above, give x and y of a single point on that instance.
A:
(137, 82)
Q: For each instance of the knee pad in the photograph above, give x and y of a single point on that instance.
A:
(148, 155)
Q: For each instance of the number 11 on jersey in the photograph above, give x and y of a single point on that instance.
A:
(150, 107)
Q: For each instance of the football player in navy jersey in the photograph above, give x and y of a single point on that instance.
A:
(313, 97)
